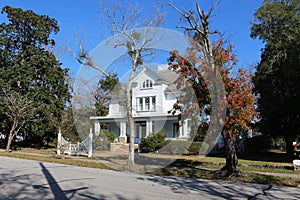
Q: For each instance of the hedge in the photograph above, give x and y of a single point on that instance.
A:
(154, 142)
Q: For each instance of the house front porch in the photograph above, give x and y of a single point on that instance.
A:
(143, 127)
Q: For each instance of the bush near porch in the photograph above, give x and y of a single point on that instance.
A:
(103, 140)
(153, 142)
(158, 143)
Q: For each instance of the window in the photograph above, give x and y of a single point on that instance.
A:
(147, 84)
(141, 105)
(153, 103)
(146, 103)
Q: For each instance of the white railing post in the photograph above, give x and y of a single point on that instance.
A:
(78, 149)
(69, 148)
(58, 142)
(90, 143)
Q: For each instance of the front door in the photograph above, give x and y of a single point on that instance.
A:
(175, 130)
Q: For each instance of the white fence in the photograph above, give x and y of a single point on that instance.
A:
(83, 148)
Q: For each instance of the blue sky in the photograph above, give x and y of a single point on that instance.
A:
(232, 17)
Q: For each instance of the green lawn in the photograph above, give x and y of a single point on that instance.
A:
(185, 166)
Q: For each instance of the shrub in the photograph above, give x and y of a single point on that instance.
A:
(103, 140)
(110, 136)
(157, 142)
(194, 148)
(154, 142)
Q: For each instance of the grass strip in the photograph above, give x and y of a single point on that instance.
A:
(57, 159)
(246, 177)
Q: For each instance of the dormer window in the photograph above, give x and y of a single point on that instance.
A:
(147, 84)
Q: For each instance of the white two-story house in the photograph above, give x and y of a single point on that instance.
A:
(153, 95)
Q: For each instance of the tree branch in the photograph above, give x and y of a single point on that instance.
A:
(84, 59)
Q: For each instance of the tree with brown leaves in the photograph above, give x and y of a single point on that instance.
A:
(205, 66)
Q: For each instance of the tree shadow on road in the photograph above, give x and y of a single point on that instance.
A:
(208, 188)
(57, 191)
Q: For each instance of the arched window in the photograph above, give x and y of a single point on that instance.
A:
(147, 84)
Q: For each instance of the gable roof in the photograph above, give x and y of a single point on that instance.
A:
(165, 76)
(168, 75)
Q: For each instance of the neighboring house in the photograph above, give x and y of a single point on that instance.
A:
(153, 95)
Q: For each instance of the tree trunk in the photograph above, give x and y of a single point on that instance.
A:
(129, 111)
(289, 136)
(231, 166)
(9, 141)
(131, 142)
(289, 148)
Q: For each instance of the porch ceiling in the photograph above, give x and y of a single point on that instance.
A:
(135, 118)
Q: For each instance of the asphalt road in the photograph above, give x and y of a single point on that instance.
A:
(25, 179)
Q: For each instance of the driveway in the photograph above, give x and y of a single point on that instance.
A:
(25, 179)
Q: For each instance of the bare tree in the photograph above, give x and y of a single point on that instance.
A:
(83, 104)
(19, 109)
(230, 95)
(84, 58)
(198, 28)
(123, 23)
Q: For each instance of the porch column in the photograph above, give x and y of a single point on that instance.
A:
(181, 128)
(184, 129)
(97, 127)
(122, 137)
(148, 128)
